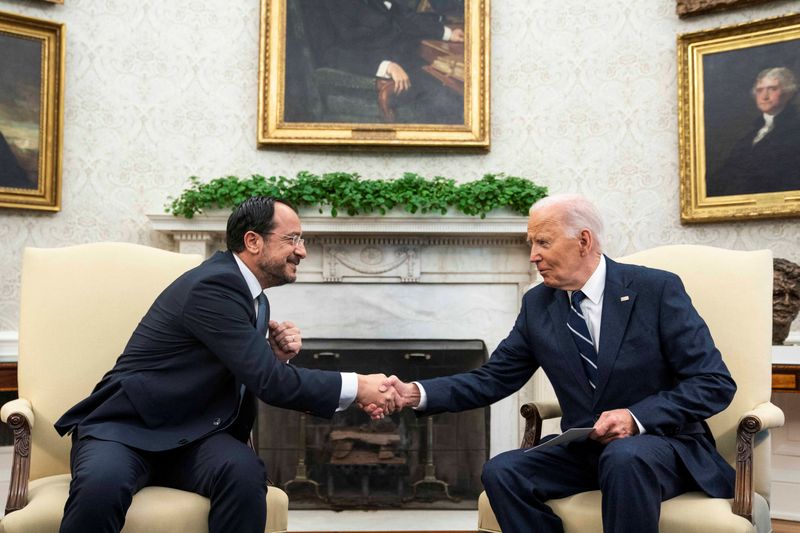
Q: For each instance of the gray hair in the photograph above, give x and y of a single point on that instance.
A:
(782, 74)
(577, 213)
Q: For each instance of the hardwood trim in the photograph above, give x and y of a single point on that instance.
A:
(533, 425)
(21, 466)
(8, 377)
(743, 494)
(786, 378)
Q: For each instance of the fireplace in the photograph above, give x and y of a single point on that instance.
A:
(402, 461)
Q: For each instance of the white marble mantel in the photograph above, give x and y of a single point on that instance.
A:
(204, 230)
(400, 276)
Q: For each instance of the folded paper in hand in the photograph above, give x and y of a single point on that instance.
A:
(570, 435)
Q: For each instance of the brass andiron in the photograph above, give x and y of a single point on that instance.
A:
(430, 468)
(301, 476)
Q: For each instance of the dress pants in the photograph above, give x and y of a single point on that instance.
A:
(428, 100)
(106, 475)
(634, 474)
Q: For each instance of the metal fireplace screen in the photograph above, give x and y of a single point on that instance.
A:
(402, 461)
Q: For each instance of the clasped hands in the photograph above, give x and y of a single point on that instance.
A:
(379, 395)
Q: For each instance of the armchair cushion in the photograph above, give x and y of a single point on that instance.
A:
(153, 509)
(581, 513)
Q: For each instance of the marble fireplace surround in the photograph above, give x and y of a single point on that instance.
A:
(400, 276)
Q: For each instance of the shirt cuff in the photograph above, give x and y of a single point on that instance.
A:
(638, 424)
(349, 390)
(423, 397)
(382, 68)
(447, 34)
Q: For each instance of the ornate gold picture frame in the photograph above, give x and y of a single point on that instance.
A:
(31, 112)
(739, 121)
(325, 83)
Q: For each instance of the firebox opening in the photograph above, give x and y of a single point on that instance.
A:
(402, 461)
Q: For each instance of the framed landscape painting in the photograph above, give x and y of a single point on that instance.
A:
(739, 121)
(31, 110)
(374, 73)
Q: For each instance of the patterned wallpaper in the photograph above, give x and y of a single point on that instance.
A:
(583, 99)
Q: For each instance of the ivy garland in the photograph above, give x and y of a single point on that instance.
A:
(349, 193)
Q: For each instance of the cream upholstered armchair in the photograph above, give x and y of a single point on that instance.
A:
(79, 305)
(732, 291)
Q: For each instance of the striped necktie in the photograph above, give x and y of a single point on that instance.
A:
(583, 339)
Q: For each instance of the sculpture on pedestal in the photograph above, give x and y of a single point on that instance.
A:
(785, 298)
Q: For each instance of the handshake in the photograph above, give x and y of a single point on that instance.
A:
(379, 396)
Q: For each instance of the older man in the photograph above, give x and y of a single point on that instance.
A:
(178, 405)
(767, 158)
(627, 355)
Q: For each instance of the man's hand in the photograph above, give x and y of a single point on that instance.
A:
(284, 338)
(612, 425)
(457, 36)
(401, 80)
(375, 402)
(406, 394)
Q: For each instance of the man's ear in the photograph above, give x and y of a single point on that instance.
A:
(253, 242)
(585, 241)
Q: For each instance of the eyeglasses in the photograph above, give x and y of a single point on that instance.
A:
(297, 240)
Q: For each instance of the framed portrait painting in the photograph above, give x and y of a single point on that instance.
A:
(739, 121)
(374, 73)
(31, 110)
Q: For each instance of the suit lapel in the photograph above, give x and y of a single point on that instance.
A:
(558, 309)
(618, 302)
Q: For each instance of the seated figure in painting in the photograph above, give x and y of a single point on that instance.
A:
(381, 39)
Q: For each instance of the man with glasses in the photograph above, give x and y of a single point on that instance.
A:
(178, 406)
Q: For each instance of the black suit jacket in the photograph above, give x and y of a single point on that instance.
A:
(656, 358)
(771, 165)
(178, 378)
(365, 32)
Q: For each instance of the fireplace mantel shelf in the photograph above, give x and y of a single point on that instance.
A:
(196, 234)
(499, 223)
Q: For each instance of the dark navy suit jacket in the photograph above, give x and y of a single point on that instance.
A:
(178, 378)
(656, 358)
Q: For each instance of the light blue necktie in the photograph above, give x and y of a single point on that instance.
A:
(583, 339)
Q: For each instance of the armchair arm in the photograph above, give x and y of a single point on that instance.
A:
(763, 416)
(18, 414)
(534, 413)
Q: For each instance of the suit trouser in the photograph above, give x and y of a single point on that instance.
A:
(635, 475)
(106, 475)
(428, 98)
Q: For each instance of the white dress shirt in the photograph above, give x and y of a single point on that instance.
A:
(349, 379)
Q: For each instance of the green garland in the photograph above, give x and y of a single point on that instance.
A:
(349, 193)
